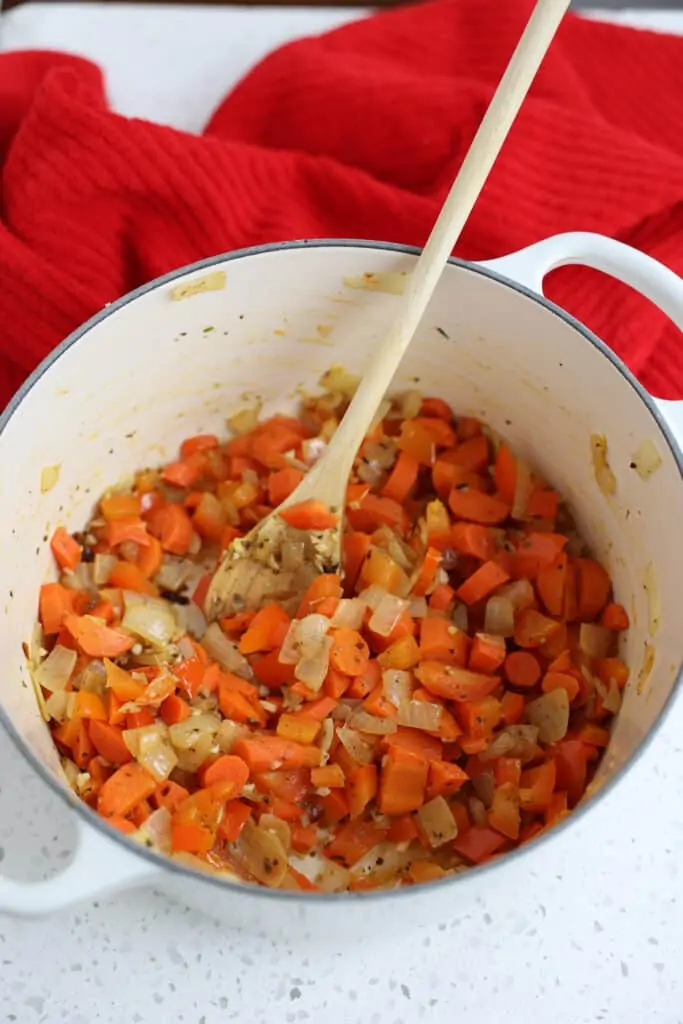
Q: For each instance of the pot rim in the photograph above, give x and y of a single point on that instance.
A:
(89, 817)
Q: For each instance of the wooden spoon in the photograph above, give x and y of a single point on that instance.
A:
(276, 561)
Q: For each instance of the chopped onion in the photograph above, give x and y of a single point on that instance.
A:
(56, 705)
(93, 678)
(333, 877)
(612, 702)
(372, 597)
(550, 714)
(229, 733)
(244, 421)
(437, 822)
(646, 460)
(460, 617)
(397, 686)
(356, 745)
(595, 641)
(383, 452)
(523, 485)
(194, 740)
(513, 741)
(70, 770)
(605, 478)
(421, 714)
(477, 811)
(304, 636)
(484, 785)
(410, 404)
(418, 608)
(156, 831)
(369, 472)
(262, 854)
(520, 592)
(373, 725)
(173, 573)
(340, 381)
(195, 620)
(499, 617)
(225, 652)
(279, 827)
(387, 614)
(293, 555)
(149, 618)
(349, 614)
(151, 747)
(102, 568)
(325, 740)
(54, 673)
(312, 449)
(383, 861)
(314, 664)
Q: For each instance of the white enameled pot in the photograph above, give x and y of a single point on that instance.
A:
(147, 371)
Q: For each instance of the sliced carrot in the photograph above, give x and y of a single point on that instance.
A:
(537, 785)
(473, 539)
(594, 588)
(335, 808)
(56, 602)
(198, 443)
(169, 795)
(361, 788)
(376, 703)
(174, 709)
(441, 640)
(403, 780)
(444, 779)
(557, 680)
(97, 639)
(108, 741)
(614, 616)
(504, 813)
(551, 584)
(508, 769)
(121, 506)
(124, 789)
(476, 507)
(380, 570)
(402, 478)
(427, 572)
(455, 683)
(349, 652)
(89, 705)
(442, 597)
(266, 631)
(173, 528)
(478, 843)
(532, 628)
(304, 837)
(128, 576)
(487, 653)
(372, 511)
(282, 483)
(265, 753)
(416, 742)
(505, 473)
(487, 578)
(365, 683)
(323, 587)
(330, 776)
(309, 515)
(130, 529)
(210, 517)
(522, 669)
(609, 669)
(353, 841)
(512, 707)
(66, 550)
(298, 728)
(593, 735)
(227, 768)
(356, 547)
(402, 654)
(478, 717)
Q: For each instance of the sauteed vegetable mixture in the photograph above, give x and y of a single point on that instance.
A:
(442, 700)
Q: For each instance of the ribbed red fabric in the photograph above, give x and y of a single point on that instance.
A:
(357, 133)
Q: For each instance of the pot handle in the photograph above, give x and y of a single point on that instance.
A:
(100, 867)
(649, 277)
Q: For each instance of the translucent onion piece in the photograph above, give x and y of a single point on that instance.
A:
(262, 854)
(312, 449)
(70, 770)
(372, 596)
(340, 381)
(356, 745)
(612, 702)
(293, 554)
(550, 714)
(410, 405)
(225, 652)
(369, 472)
(54, 673)
(333, 877)
(382, 862)
(646, 459)
(397, 686)
(437, 822)
(56, 705)
(290, 651)
(420, 714)
(229, 733)
(93, 678)
(102, 568)
(381, 452)
(418, 608)
(373, 725)
(384, 408)
(314, 665)
(312, 630)
(477, 811)
(149, 618)
(595, 641)
(484, 785)
(513, 741)
(387, 614)
(279, 827)
(173, 573)
(460, 617)
(520, 592)
(325, 740)
(151, 747)
(499, 617)
(156, 831)
(194, 740)
(349, 614)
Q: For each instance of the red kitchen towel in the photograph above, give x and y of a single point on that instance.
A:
(357, 133)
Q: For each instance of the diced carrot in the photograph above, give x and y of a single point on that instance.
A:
(537, 785)
(593, 735)
(198, 443)
(551, 584)
(532, 628)
(349, 652)
(505, 473)
(130, 529)
(536, 551)
(227, 768)
(504, 812)
(362, 685)
(614, 616)
(402, 781)
(185, 472)
(174, 709)
(89, 705)
(402, 654)
(608, 669)
(356, 547)
(309, 515)
(327, 585)
(557, 809)
(373, 511)
(442, 597)
(266, 631)
(210, 518)
(380, 570)
(353, 841)
(508, 769)
(120, 506)
(124, 789)
(108, 741)
(455, 683)
(416, 742)
(487, 578)
(318, 710)
(428, 569)
(128, 576)
(56, 602)
(478, 843)
(335, 807)
(402, 478)
(473, 539)
(511, 707)
(570, 758)
(543, 504)
(403, 828)
(97, 639)
(444, 779)
(487, 653)
(121, 824)
(336, 683)
(441, 640)
(476, 507)
(138, 719)
(329, 776)
(422, 871)
(437, 409)
(478, 717)
(557, 680)
(361, 788)
(304, 837)
(169, 795)
(522, 668)
(66, 550)
(264, 753)
(298, 728)
(594, 588)
(173, 527)
(282, 483)
(376, 703)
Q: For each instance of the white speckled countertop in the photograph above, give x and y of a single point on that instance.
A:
(599, 940)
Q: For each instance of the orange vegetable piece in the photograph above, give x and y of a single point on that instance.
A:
(428, 570)
(97, 639)
(594, 588)
(473, 539)
(227, 769)
(128, 576)
(557, 680)
(416, 742)
(402, 781)
(444, 779)
(323, 588)
(330, 776)
(124, 789)
(309, 515)
(174, 709)
(487, 653)
(505, 473)
(56, 602)
(264, 753)
(266, 631)
(89, 705)
(477, 507)
(236, 814)
(379, 569)
(173, 527)
(537, 551)
(402, 478)
(121, 506)
(109, 743)
(304, 837)
(511, 707)
(532, 628)
(478, 843)
(361, 788)
(353, 841)
(536, 786)
(282, 483)
(551, 583)
(522, 669)
(455, 683)
(614, 616)
(608, 669)
(478, 717)
(349, 652)
(297, 727)
(402, 654)
(66, 550)
(441, 640)
(504, 813)
(483, 581)
(356, 547)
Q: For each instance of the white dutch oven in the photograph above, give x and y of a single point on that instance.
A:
(126, 388)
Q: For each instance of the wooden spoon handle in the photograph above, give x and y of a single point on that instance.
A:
(324, 479)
